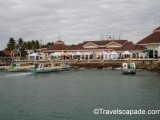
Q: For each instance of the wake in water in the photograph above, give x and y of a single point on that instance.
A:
(12, 75)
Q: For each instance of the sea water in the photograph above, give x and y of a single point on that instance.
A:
(75, 94)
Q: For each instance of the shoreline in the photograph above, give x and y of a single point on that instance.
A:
(149, 65)
(142, 65)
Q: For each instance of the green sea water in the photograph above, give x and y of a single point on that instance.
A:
(74, 94)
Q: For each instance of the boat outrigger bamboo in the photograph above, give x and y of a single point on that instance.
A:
(50, 67)
(21, 67)
(129, 68)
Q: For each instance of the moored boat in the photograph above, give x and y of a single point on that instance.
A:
(129, 68)
(50, 67)
(4, 66)
(21, 67)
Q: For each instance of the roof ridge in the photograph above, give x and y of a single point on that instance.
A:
(157, 29)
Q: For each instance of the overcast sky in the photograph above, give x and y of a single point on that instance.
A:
(77, 20)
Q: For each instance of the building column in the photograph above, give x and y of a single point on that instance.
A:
(153, 51)
(46, 56)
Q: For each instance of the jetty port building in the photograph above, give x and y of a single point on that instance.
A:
(95, 49)
(148, 46)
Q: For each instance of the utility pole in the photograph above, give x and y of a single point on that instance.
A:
(120, 36)
(102, 36)
(59, 37)
(40, 43)
(113, 36)
(107, 37)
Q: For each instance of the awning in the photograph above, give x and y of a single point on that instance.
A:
(147, 51)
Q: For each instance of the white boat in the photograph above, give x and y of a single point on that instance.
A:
(4, 66)
(21, 67)
(50, 67)
(129, 68)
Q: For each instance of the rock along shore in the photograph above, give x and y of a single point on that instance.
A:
(153, 66)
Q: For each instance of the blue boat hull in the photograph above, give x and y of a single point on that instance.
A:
(128, 71)
(45, 71)
(48, 70)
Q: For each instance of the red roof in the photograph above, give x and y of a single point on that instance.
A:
(76, 47)
(58, 47)
(59, 42)
(7, 52)
(104, 42)
(124, 43)
(152, 38)
(131, 46)
(158, 28)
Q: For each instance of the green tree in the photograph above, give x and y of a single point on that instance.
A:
(23, 52)
(29, 45)
(49, 44)
(25, 45)
(20, 42)
(11, 44)
(33, 44)
(37, 44)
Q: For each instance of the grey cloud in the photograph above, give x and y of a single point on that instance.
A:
(77, 20)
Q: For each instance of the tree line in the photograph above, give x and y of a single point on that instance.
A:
(22, 45)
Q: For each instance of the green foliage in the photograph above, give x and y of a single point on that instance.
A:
(49, 44)
(23, 52)
(37, 44)
(26, 45)
(29, 45)
(11, 44)
(20, 42)
(22, 45)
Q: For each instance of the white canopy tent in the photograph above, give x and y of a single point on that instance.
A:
(106, 55)
(34, 56)
(126, 53)
(113, 55)
(54, 54)
(78, 53)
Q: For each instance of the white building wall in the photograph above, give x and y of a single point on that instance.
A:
(152, 47)
(149, 47)
(159, 51)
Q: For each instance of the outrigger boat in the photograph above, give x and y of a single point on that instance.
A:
(21, 67)
(129, 68)
(50, 67)
(4, 66)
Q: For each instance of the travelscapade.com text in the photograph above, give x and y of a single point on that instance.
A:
(101, 111)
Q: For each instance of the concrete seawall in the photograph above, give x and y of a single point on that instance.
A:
(150, 65)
